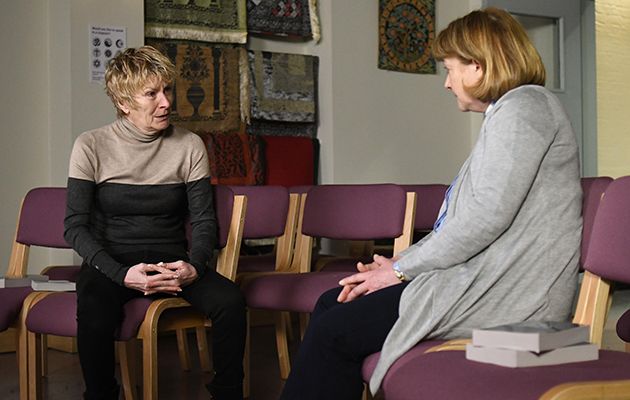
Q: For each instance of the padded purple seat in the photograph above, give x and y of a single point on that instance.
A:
(64, 307)
(295, 292)
(11, 304)
(448, 375)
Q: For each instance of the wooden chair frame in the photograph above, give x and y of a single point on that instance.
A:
(163, 315)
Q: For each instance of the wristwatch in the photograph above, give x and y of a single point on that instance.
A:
(399, 274)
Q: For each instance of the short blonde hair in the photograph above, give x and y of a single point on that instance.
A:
(131, 70)
(499, 44)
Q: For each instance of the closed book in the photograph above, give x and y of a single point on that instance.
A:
(520, 358)
(534, 336)
(54, 286)
(21, 282)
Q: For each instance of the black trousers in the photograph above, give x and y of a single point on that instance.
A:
(339, 337)
(99, 313)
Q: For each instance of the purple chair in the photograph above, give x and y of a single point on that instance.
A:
(37, 225)
(427, 372)
(143, 317)
(429, 198)
(346, 212)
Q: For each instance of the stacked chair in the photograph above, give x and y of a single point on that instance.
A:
(438, 369)
(40, 223)
(144, 318)
(345, 212)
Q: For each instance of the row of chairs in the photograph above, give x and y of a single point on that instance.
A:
(282, 282)
(273, 212)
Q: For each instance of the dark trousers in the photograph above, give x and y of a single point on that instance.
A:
(99, 313)
(339, 337)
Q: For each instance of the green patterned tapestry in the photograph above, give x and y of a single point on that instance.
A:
(203, 20)
(207, 85)
(406, 32)
(283, 87)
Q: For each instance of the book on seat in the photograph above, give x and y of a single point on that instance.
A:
(535, 336)
(521, 358)
(21, 282)
(54, 286)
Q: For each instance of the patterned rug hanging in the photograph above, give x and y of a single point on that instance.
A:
(207, 86)
(283, 87)
(207, 21)
(287, 18)
(235, 158)
(406, 33)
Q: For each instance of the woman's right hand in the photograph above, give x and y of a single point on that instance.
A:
(151, 278)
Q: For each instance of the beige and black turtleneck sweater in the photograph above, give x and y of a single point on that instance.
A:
(129, 192)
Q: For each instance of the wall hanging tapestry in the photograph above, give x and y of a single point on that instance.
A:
(235, 158)
(283, 87)
(406, 32)
(289, 18)
(282, 128)
(203, 20)
(207, 85)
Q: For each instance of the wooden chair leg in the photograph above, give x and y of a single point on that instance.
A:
(150, 364)
(128, 358)
(202, 348)
(22, 355)
(183, 349)
(34, 348)
(282, 346)
(366, 393)
(246, 361)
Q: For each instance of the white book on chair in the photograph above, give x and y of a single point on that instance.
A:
(54, 286)
(521, 358)
(21, 282)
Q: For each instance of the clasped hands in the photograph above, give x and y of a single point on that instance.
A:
(371, 277)
(162, 277)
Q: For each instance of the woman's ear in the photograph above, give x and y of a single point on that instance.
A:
(124, 108)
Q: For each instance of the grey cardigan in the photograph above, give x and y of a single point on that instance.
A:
(508, 249)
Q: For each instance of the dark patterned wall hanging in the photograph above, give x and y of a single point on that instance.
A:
(289, 18)
(207, 85)
(283, 87)
(209, 20)
(235, 158)
(406, 33)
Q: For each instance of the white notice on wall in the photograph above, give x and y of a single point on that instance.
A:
(105, 43)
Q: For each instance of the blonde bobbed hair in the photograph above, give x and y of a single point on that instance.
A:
(499, 44)
(130, 71)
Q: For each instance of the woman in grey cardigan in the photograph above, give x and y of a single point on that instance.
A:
(505, 247)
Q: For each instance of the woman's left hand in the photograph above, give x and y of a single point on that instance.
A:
(374, 276)
(186, 273)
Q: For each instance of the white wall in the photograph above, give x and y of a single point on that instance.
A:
(375, 125)
(48, 100)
